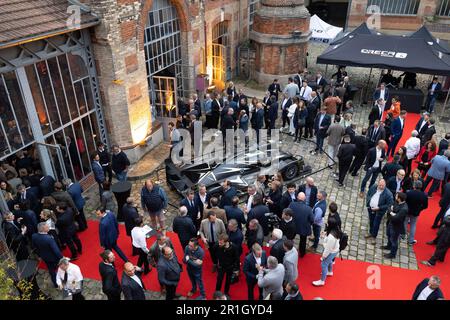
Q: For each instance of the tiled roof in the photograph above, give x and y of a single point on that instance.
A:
(28, 19)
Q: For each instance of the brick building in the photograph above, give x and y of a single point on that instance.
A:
(73, 73)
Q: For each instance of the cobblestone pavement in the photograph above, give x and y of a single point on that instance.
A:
(351, 207)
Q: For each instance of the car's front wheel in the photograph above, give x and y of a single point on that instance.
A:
(290, 172)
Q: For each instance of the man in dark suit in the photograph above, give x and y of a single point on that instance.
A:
(320, 81)
(396, 224)
(132, 284)
(276, 243)
(234, 212)
(272, 112)
(390, 169)
(444, 203)
(397, 131)
(362, 147)
(374, 159)
(46, 185)
(194, 207)
(433, 91)
(63, 196)
(47, 249)
(417, 201)
(428, 289)
(274, 89)
(443, 144)
(313, 108)
(375, 133)
(75, 190)
(23, 194)
(98, 172)
(303, 218)
(215, 111)
(169, 270)
(197, 105)
(15, 236)
(395, 183)
(288, 196)
(25, 216)
(259, 120)
(287, 224)
(422, 124)
(110, 282)
(67, 229)
(109, 232)
(292, 292)
(228, 193)
(321, 124)
(345, 156)
(105, 160)
(257, 257)
(130, 213)
(381, 93)
(227, 123)
(428, 134)
(310, 190)
(377, 111)
(258, 212)
(184, 227)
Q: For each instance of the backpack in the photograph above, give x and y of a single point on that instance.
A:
(343, 241)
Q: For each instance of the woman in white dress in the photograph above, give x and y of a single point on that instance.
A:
(291, 113)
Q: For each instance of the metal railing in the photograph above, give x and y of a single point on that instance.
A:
(443, 9)
(396, 7)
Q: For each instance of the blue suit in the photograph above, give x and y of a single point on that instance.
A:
(396, 131)
(109, 233)
(251, 272)
(76, 193)
(46, 186)
(49, 252)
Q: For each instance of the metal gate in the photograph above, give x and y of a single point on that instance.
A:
(164, 97)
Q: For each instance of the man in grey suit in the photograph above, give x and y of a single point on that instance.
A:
(334, 133)
(210, 230)
(271, 279)
(132, 284)
(290, 262)
(169, 270)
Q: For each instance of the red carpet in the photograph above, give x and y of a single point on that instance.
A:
(350, 280)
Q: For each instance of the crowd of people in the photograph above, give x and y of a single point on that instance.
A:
(45, 215)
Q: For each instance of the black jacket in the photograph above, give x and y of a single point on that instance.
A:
(227, 258)
(362, 146)
(65, 224)
(130, 213)
(445, 199)
(110, 281)
(424, 128)
(313, 195)
(435, 295)
(313, 108)
(46, 186)
(184, 227)
(277, 250)
(372, 157)
(249, 268)
(397, 221)
(288, 229)
(193, 209)
(131, 289)
(303, 217)
(235, 213)
(259, 213)
(374, 114)
(15, 240)
(417, 201)
(428, 134)
(381, 135)
(346, 152)
(227, 196)
(390, 170)
(120, 162)
(326, 122)
(286, 200)
(443, 145)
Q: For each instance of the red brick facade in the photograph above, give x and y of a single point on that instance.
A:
(131, 63)
(128, 30)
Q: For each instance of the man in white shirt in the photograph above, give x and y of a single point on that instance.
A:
(412, 146)
(305, 91)
(428, 289)
(138, 236)
(69, 279)
(251, 190)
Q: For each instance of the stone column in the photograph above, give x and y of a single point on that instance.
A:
(280, 33)
(122, 74)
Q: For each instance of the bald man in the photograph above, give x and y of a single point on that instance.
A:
(310, 191)
(303, 218)
(132, 284)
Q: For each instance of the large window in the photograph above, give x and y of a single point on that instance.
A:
(162, 49)
(444, 8)
(252, 6)
(395, 7)
(15, 130)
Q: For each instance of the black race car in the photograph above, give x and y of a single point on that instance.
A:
(241, 170)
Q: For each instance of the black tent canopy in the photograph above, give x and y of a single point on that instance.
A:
(436, 43)
(362, 29)
(387, 52)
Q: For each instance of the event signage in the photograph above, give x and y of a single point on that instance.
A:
(385, 53)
